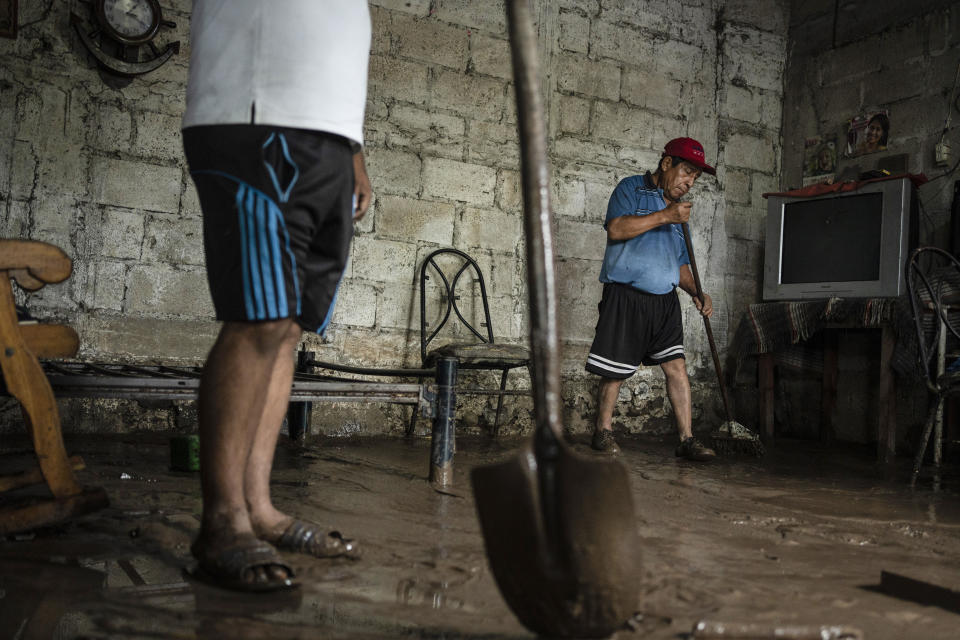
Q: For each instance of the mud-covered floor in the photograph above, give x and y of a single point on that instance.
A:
(799, 538)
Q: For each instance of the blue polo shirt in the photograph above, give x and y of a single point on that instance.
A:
(650, 261)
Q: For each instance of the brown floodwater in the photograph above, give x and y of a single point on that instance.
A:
(798, 538)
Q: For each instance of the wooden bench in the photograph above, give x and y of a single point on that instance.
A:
(177, 382)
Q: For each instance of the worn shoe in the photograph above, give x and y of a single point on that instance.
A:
(693, 449)
(249, 565)
(314, 540)
(604, 441)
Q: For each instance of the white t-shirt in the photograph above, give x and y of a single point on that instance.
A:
(288, 63)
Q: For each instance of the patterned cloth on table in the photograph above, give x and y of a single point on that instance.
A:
(783, 327)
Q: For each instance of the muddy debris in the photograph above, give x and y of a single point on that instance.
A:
(425, 575)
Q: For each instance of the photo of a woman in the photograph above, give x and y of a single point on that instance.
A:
(876, 133)
(868, 133)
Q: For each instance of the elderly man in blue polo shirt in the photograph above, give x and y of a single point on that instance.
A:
(640, 320)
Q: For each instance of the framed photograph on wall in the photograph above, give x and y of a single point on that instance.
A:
(8, 18)
(868, 133)
(819, 159)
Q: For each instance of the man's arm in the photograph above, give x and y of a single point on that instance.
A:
(687, 284)
(630, 226)
(362, 191)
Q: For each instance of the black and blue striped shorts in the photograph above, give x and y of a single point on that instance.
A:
(277, 219)
(635, 328)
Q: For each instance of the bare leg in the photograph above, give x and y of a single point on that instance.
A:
(607, 396)
(232, 400)
(678, 390)
(268, 523)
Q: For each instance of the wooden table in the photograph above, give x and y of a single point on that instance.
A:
(886, 412)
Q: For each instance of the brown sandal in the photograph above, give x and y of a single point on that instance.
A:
(311, 539)
(228, 567)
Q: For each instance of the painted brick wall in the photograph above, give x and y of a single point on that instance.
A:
(98, 170)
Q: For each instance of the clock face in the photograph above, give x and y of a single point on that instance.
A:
(132, 20)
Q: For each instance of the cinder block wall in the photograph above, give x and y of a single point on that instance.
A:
(850, 57)
(96, 167)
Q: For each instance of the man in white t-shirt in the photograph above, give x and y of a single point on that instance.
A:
(272, 133)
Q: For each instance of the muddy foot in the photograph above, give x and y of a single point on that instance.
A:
(241, 563)
(314, 540)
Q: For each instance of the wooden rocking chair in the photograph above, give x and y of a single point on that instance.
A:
(33, 264)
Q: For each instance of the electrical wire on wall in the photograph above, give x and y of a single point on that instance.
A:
(926, 220)
(942, 148)
(942, 157)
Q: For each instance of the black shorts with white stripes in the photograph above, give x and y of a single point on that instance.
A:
(635, 328)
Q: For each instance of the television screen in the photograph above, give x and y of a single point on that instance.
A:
(832, 240)
(848, 243)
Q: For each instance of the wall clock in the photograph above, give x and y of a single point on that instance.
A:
(121, 35)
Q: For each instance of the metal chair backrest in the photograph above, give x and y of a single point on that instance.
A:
(933, 283)
(461, 264)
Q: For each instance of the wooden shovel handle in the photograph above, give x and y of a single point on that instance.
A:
(541, 274)
(706, 322)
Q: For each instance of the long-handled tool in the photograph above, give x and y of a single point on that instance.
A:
(731, 437)
(559, 527)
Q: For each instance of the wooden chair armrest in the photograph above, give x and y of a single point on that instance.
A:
(50, 340)
(33, 263)
(25, 280)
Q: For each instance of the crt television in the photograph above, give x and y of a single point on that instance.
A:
(851, 244)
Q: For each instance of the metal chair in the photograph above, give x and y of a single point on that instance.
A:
(474, 348)
(933, 283)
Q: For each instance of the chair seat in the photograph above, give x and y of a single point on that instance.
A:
(493, 355)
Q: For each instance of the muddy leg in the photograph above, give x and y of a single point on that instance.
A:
(678, 390)
(607, 396)
(232, 401)
(268, 522)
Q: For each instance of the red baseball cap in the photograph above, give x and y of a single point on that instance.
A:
(691, 151)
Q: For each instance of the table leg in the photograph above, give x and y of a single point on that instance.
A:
(765, 380)
(887, 413)
(828, 385)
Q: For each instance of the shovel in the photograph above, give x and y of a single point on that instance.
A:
(559, 527)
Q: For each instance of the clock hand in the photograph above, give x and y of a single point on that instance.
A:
(140, 22)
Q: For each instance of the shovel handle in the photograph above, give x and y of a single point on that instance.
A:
(706, 322)
(541, 273)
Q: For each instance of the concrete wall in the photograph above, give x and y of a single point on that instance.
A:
(847, 57)
(97, 168)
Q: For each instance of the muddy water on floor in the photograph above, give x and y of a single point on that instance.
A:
(809, 478)
(119, 572)
(800, 537)
(790, 539)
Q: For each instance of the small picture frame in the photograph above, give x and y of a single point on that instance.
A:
(868, 133)
(819, 159)
(8, 18)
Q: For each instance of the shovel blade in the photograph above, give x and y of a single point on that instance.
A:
(579, 577)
